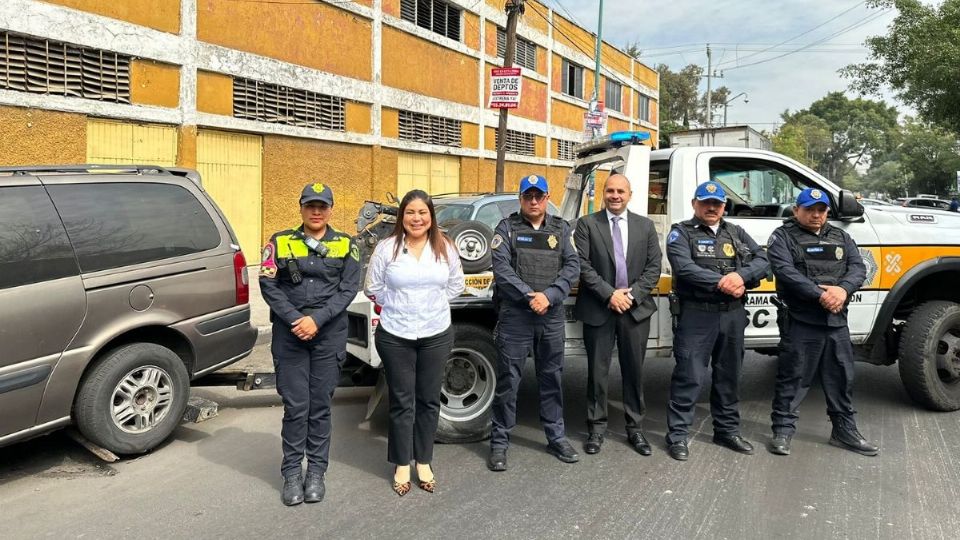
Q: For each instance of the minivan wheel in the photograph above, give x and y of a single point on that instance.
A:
(132, 398)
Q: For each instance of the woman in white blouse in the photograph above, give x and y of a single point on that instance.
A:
(413, 275)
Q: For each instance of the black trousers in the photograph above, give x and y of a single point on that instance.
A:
(307, 375)
(706, 339)
(519, 332)
(805, 350)
(414, 376)
(631, 339)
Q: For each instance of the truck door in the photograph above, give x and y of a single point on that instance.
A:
(762, 189)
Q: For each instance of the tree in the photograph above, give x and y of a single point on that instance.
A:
(679, 97)
(804, 137)
(888, 178)
(931, 154)
(918, 59)
(860, 130)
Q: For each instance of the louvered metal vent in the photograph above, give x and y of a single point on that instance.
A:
(434, 15)
(430, 129)
(565, 150)
(265, 102)
(519, 142)
(526, 55)
(43, 66)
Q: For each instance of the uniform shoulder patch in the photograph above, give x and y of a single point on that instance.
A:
(354, 252)
(772, 239)
(497, 240)
(268, 262)
(673, 236)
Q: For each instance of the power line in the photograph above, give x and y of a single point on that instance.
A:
(831, 19)
(866, 20)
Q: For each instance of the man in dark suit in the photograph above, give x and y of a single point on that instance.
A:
(619, 266)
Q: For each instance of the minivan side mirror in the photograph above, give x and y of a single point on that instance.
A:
(849, 206)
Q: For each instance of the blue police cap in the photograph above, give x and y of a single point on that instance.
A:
(316, 192)
(710, 190)
(812, 196)
(534, 182)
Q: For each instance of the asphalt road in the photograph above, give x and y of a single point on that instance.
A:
(220, 479)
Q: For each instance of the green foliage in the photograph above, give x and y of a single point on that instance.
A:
(804, 137)
(931, 154)
(859, 130)
(679, 97)
(918, 59)
(889, 178)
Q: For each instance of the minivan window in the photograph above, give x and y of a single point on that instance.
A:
(33, 245)
(119, 224)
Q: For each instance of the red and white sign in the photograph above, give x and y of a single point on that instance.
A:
(505, 87)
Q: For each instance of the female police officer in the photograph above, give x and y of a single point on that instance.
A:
(308, 276)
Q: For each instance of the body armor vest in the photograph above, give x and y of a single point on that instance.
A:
(537, 255)
(822, 258)
(723, 254)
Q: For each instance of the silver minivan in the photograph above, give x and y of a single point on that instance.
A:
(118, 286)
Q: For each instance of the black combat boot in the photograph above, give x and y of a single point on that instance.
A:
(292, 493)
(849, 438)
(313, 488)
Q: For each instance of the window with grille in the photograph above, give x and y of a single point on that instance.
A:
(519, 142)
(613, 96)
(526, 55)
(430, 129)
(565, 150)
(265, 102)
(45, 66)
(572, 79)
(645, 108)
(434, 15)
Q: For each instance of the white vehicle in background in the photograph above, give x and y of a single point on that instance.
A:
(908, 310)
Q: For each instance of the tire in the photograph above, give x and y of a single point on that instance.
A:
(469, 383)
(149, 374)
(930, 355)
(472, 240)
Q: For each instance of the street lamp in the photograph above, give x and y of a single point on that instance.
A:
(746, 99)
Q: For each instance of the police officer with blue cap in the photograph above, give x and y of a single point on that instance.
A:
(534, 268)
(308, 276)
(818, 268)
(714, 262)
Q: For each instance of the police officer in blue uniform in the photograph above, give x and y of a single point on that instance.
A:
(534, 268)
(714, 262)
(308, 276)
(818, 268)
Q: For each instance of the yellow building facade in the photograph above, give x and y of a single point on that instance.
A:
(367, 96)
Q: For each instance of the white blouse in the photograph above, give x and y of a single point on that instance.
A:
(414, 295)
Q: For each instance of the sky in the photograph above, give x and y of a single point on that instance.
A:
(676, 33)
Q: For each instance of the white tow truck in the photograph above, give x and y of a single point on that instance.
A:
(908, 310)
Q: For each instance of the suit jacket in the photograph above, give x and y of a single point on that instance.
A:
(598, 270)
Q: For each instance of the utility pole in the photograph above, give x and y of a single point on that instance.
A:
(709, 74)
(594, 103)
(514, 9)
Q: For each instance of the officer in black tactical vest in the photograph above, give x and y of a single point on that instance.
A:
(534, 268)
(308, 276)
(818, 268)
(714, 263)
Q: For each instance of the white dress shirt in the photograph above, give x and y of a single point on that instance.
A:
(623, 227)
(414, 295)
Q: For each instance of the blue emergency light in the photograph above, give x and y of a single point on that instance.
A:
(629, 136)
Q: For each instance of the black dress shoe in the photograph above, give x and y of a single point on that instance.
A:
(292, 493)
(852, 440)
(593, 444)
(497, 461)
(734, 442)
(780, 445)
(563, 450)
(313, 488)
(640, 444)
(679, 450)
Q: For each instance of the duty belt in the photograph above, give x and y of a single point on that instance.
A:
(713, 307)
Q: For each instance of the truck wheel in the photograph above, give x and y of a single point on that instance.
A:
(469, 383)
(472, 240)
(930, 355)
(132, 398)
